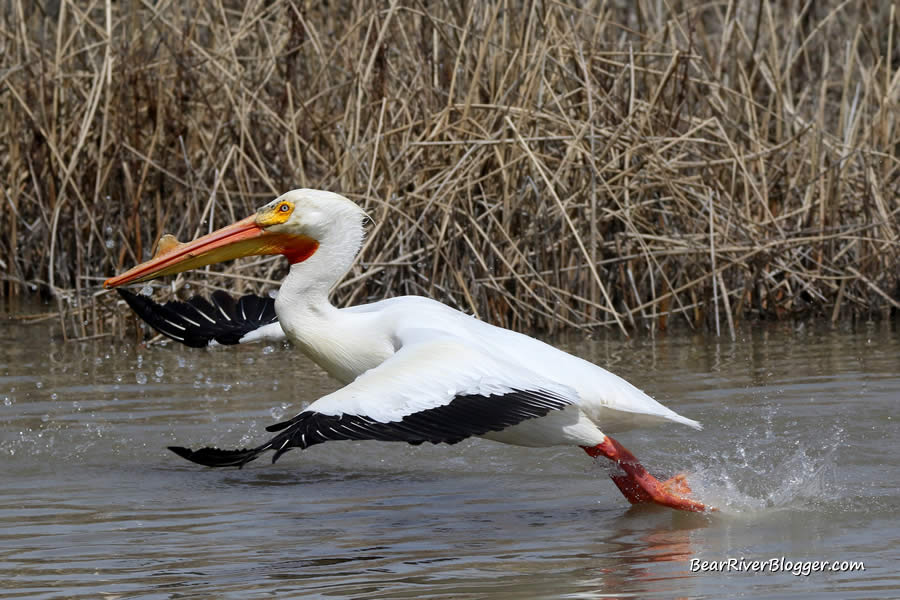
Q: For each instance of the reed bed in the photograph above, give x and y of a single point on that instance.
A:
(543, 165)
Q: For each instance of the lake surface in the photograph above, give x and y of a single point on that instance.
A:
(799, 451)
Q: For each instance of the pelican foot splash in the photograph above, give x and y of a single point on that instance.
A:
(413, 370)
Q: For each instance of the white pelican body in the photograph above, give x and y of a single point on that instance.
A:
(453, 348)
(413, 369)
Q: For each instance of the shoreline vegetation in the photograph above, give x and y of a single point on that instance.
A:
(635, 165)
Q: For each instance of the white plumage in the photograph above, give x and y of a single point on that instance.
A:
(414, 369)
(351, 342)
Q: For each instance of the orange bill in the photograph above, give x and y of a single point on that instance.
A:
(244, 238)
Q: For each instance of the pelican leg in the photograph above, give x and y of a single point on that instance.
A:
(639, 486)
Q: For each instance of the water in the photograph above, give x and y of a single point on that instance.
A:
(799, 451)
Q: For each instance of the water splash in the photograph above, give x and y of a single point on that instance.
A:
(768, 466)
(278, 412)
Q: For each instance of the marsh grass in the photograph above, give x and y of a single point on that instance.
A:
(541, 165)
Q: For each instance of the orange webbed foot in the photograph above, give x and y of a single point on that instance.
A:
(640, 487)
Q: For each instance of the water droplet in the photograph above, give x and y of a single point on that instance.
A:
(268, 350)
(39, 384)
(54, 396)
(227, 387)
(159, 371)
(110, 244)
(7, 401)
(118, 379)
(278, 412)
(140, 377)
(146, 291)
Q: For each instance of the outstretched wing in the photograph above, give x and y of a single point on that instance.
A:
(200, 322)
(438, 391)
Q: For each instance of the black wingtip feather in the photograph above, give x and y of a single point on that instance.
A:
(183, 452)
(464, 416)
(213, 457)
(198, 321)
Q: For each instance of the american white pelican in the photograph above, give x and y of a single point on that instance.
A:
(413, 369)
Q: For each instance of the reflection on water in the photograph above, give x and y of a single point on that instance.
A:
(798, 451)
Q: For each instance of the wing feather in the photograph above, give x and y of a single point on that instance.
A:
(462, 417)
(199, 322)
(440, 391)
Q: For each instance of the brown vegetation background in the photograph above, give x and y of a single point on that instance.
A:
(540, 164)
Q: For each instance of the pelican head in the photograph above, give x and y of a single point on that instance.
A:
(294, 224)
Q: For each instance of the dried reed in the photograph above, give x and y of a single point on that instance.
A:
(539, 164)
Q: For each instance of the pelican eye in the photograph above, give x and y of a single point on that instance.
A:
(284, 208)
